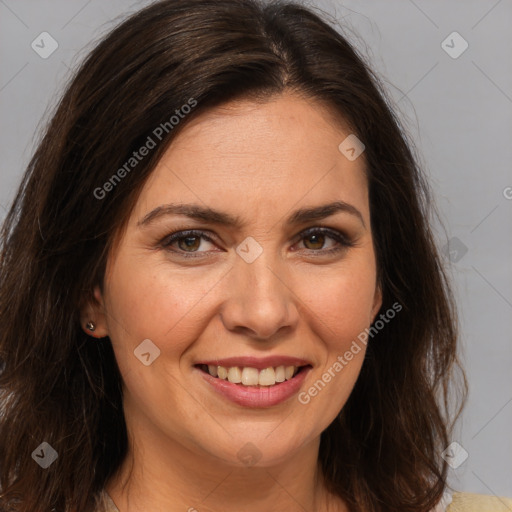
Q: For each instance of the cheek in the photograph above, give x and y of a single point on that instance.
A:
(151, 302)
(339, 306)
(164, 304)
(157, 303)
(340, 303)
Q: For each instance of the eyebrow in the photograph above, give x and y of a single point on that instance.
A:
(212, 216)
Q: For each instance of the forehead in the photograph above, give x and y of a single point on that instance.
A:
(253, 155)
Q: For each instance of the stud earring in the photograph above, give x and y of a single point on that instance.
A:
(90, 326)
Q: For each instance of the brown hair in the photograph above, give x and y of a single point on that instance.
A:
(383, 451)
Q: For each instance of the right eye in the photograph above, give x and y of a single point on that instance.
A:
(188, 242)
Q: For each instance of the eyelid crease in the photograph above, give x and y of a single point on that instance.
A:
(343, 240)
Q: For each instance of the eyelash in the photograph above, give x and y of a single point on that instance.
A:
(343, 242)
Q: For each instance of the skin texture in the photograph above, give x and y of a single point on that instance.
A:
(259, 161)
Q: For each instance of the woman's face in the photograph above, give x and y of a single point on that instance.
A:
(269, 291)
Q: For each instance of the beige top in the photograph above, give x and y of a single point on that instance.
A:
(456, 502)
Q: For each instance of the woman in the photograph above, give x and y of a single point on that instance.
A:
(219, 289)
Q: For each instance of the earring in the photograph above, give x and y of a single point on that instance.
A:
(91, 326)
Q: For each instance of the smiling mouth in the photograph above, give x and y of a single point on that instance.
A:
(253, 377)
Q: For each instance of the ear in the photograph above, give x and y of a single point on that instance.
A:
(377, 302)
(94, 311)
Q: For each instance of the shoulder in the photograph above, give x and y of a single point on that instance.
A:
(105, 504)
(469, 502)
(456, 502)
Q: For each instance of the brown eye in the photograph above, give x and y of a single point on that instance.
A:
(314, 240)
(187, 243)
(317, 241)
(190, 242)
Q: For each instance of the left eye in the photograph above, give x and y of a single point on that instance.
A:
(316, 239)
(189, 242)
(317, 236)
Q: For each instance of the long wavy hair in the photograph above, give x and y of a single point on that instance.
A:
(383, 451)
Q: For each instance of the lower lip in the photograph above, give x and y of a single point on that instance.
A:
(251, 396)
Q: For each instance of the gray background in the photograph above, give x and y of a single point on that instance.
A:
(457, 110)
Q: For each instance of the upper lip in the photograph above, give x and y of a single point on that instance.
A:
(256, 362)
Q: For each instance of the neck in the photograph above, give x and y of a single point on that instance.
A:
(162, 474)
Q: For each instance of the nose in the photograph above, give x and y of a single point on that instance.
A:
(261, 301)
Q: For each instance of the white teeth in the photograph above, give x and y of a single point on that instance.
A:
(248, 376)
(267, 377)
(235, 375)
(222, 373)
(280, 374)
